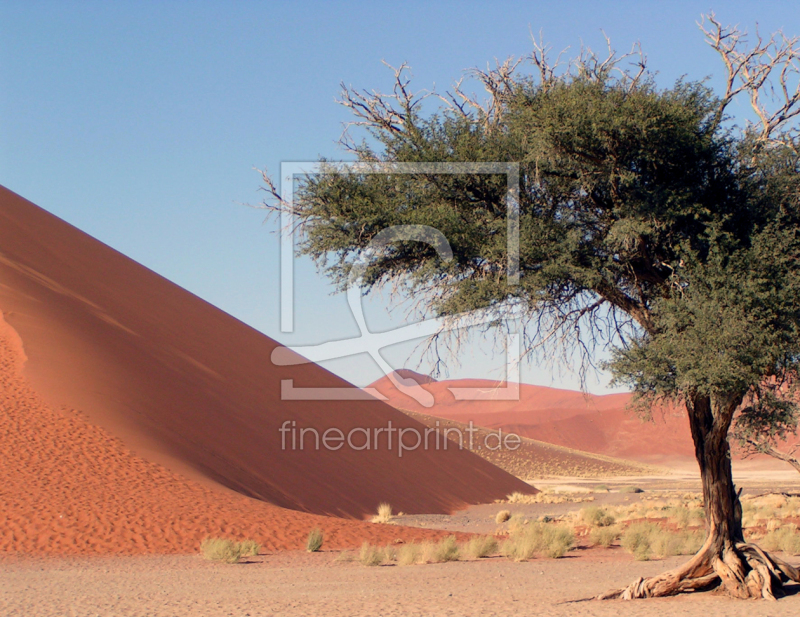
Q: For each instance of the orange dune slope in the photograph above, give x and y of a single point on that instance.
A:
(68, 487)
(188, 387)
(591, 423)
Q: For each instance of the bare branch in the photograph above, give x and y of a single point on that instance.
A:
(767, 72)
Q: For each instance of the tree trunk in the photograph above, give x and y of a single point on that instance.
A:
(725, 559)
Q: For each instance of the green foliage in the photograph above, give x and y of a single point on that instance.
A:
(314, 542)
(645, 222)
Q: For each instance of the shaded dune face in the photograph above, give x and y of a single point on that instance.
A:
(68, 487)
(187, 386)
(597, 424)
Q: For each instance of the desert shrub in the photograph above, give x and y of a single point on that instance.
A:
(221, 549)
(409, 554)
(502, 516)
(446, 550)
(249, 548)
(384, 514)
(371, 555)
(604, 488)
(479, 546)
(314, 542)
(604, 536)
(538, 539)
(630, 489)
(596, 517)
(636, 540)
(517, 497)
(645, 540)
(785, 539)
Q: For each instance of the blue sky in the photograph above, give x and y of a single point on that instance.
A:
(141, 123)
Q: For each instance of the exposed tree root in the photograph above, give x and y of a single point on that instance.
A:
(745, 571)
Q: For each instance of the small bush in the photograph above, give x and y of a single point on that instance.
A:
(636, 540)
(785, 539)
(604, 536)
(314, 542)
(630, 489)
(446, 550)
(597, 517)
(502, 517)
(538, 539)
(479, 546)
(602, 488)
(221, 549)
(645, 540)
(409, 554)
(384, 513)
(371, 555)
(250, 548)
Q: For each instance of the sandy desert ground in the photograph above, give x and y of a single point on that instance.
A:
(317, 585)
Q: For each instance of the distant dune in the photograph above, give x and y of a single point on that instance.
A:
(596, 424)
(184, 386)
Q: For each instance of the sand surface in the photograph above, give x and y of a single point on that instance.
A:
(316, 585)
(69, 487)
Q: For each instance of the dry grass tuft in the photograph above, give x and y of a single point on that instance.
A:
(646, 540)
(596, 517)
(314, 542)
(225, 550)
(538, 540)
(478, 547)
(502, 517)
(604, 536)
(371, 555)
(785, 539)
(384, 514)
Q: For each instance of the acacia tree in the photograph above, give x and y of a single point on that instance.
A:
(647, 221)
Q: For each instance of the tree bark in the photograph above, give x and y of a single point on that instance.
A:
(744, 570)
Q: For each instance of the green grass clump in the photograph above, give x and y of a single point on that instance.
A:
(604, 536)
(371, 555)
(596, 517)
(314, 542)
(479, 546)
(222, 549)
(502, 517)
(538, 539)
(384, 514)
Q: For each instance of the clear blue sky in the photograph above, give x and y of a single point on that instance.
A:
(141, 122)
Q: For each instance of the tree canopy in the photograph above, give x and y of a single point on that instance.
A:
(648, 220)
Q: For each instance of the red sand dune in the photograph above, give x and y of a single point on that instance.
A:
(597, 424)
(193, 390)
(68, 487)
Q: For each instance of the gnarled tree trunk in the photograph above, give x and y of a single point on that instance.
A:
(725, 559)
